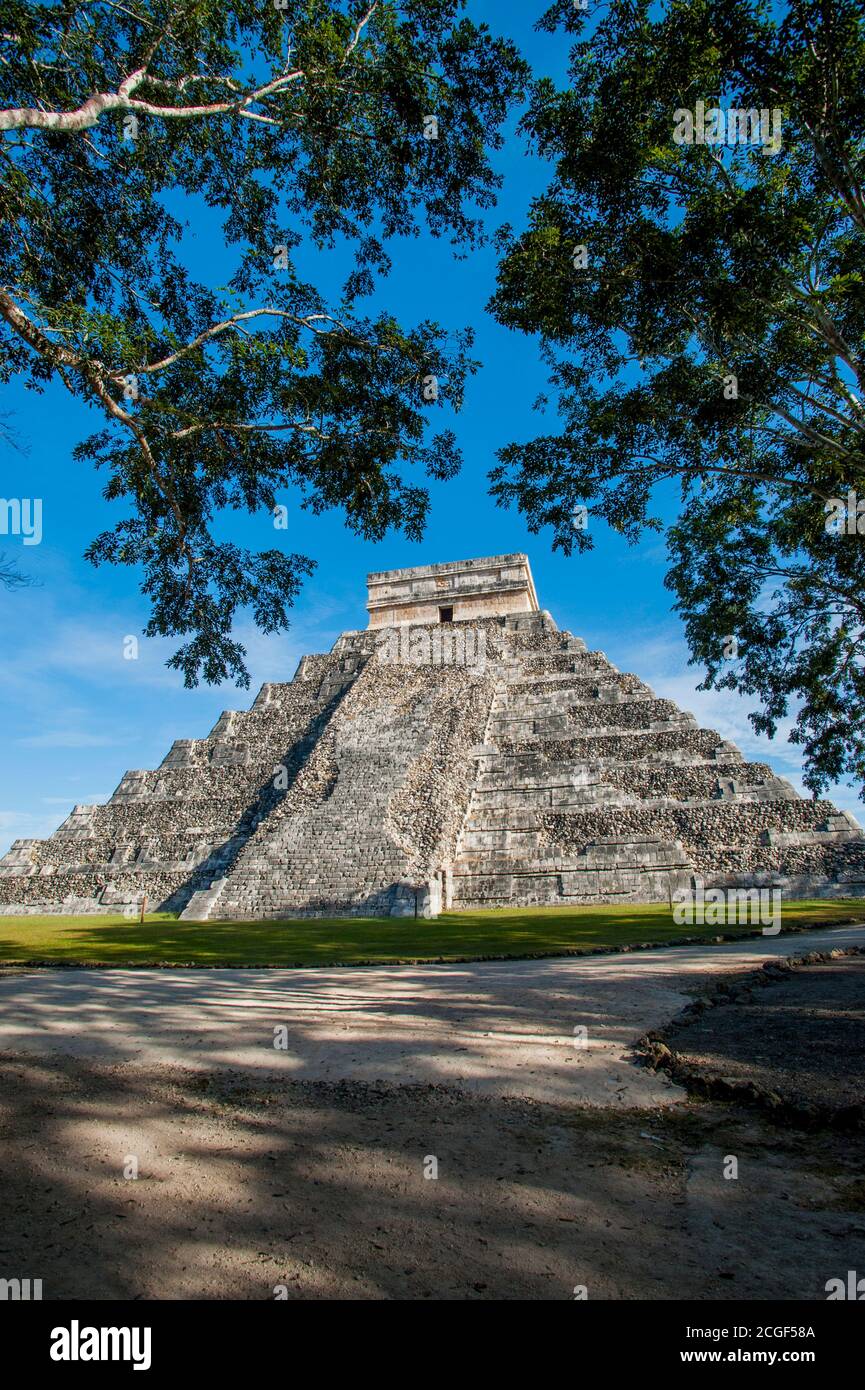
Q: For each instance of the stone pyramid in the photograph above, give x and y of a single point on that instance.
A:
(462, 752)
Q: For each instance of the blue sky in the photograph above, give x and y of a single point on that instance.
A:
(76, 714)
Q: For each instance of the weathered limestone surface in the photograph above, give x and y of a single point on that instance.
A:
(471, 589)
(398, 777)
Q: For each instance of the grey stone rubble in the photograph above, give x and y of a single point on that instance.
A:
(536, 774)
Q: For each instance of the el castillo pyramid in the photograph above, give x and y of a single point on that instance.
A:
(462, 752)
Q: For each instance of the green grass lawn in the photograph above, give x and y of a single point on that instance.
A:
(163, 940)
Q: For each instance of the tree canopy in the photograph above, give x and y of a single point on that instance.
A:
(695, 271)
(290, 120)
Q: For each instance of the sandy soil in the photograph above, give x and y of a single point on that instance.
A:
(495, 1028)
(246, 1184)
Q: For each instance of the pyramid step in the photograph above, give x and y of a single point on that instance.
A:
(490, 840)
(543, 703)
(525, 816)
(201, 904)
(575, 886)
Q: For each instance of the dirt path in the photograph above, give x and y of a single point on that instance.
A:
(492, 1028)
(320, 1188)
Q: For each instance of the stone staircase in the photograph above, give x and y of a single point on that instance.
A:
(203, 902)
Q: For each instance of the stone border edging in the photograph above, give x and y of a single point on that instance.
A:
(654, 1051)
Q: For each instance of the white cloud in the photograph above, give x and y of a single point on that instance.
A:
(91, 799)
(68, 738)
(28, 825)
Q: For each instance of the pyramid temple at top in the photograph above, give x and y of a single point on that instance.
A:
(461, 752)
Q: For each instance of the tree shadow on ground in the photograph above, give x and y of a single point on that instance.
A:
(245, 1186)
(801, 1036)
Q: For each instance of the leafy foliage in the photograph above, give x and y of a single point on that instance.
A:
(714, 337)
(300, 122)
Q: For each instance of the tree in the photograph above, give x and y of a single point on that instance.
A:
(11, 577)
(695, 271)
(354, 122)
